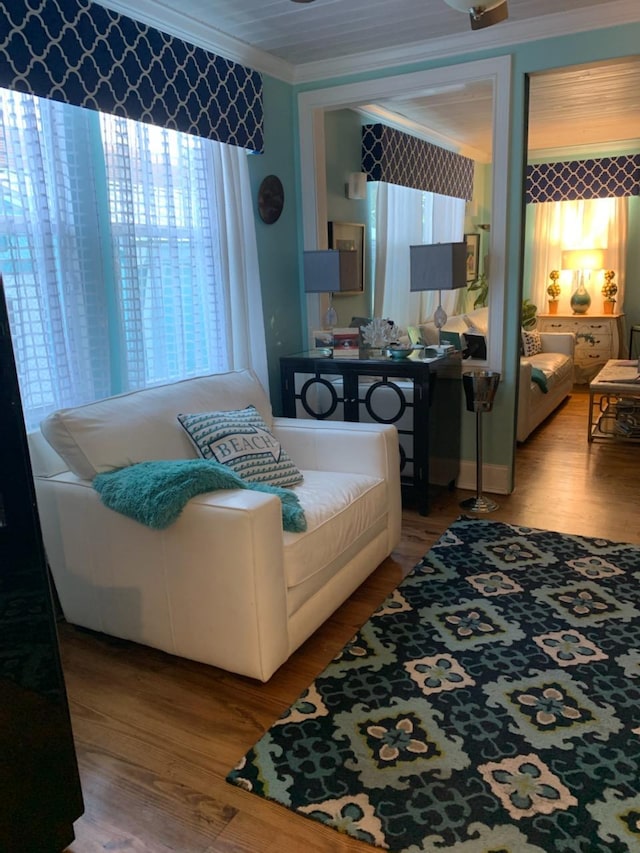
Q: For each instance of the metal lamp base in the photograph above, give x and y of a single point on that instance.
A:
(479, 504)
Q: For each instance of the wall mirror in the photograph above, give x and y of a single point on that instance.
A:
(313, 105)
(584, 128)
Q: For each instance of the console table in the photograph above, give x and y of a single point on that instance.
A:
(421, 398)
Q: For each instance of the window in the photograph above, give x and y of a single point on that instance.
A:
(403, 217)
(114, 267)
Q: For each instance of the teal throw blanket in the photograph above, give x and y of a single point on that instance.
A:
(155, 493)
(539, 378)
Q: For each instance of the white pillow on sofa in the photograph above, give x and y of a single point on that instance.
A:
(477, 320)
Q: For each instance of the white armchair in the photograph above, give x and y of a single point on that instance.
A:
(224, 584)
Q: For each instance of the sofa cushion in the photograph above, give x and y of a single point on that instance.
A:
(142, 425)
(556, 367)
(242, 441)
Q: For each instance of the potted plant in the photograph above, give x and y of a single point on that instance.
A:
(529, 311)
(609, 290)
(481, 288)
(554, 291)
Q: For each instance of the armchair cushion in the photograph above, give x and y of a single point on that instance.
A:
(241, 440)
(141, 425)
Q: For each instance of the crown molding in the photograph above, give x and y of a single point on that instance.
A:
(176, 23)
(609, 14)
(584, 152)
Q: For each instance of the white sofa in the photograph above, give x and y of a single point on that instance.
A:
(223, 584)
(556, 363)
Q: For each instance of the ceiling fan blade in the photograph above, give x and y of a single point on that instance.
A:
(481, 17)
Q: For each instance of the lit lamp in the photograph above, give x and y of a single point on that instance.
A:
(582, 261)
(438, 266)
(330, 271)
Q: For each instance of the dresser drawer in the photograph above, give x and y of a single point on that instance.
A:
(587, 354)
(560, 325)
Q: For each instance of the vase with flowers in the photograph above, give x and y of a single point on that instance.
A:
(553, 290)
(609, 290)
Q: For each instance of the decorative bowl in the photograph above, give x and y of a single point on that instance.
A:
(398, 352)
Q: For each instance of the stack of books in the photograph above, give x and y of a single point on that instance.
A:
(628, 418)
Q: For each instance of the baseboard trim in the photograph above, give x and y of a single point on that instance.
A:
(495, 478)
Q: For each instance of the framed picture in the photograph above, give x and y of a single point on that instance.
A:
(349, 236)
(473, 256)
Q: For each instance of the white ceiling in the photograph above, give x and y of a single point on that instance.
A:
(581, 107)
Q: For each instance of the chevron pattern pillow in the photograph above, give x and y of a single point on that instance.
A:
(241, 440)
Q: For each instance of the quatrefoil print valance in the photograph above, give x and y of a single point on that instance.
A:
(398, 158)
(80, 53)
(605, 177)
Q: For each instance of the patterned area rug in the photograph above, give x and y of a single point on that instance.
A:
(492, 703)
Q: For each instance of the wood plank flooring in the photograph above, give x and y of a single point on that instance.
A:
(156, 735)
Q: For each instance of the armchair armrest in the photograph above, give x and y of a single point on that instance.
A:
(210, 587)
(564, 342)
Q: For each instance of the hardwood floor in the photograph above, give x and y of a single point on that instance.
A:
(156, 735)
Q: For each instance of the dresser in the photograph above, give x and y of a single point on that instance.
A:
(422, 399)
(598, 338)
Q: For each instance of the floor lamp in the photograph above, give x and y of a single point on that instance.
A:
(438, 266)
(480, 388)
(329, 271)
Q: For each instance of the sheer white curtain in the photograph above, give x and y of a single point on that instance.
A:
(592, 224)
(128, 254)
(406, 217)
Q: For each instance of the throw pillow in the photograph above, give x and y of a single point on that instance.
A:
(241, 440)
(531, 343)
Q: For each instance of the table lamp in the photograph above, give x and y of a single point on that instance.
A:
(330, 271)
(438, 266)
(582, 261)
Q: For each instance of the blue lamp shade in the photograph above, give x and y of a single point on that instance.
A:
(438, 266)
(330, 271)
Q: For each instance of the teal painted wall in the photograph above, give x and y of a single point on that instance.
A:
(278, 252)
(541, 55)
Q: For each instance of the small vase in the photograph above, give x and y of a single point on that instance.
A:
(608, 305)
(580, 300)
(553, 306)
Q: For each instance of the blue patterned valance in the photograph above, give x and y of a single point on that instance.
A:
(399, 158)
(607, 177)
(80, 53)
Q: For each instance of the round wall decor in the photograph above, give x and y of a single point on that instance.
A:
(270, 199)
